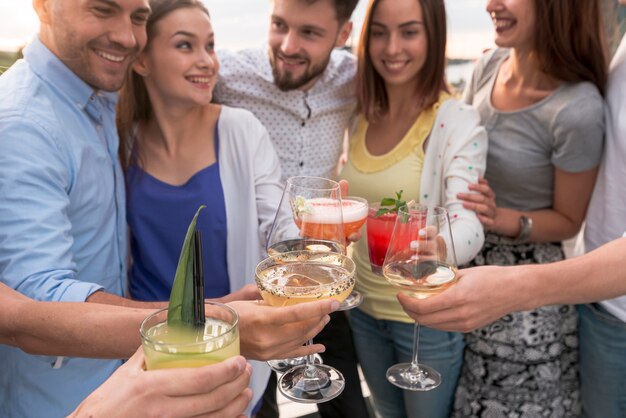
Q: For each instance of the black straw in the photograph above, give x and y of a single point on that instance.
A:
(198, 280)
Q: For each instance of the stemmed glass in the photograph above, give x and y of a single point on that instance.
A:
(421, 262)
(311, 217)
(304, 276)
(295, 229)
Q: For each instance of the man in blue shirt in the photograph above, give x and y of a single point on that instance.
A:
(62, 218)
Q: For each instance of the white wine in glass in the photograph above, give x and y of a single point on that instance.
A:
(299, 277)
(421, 262)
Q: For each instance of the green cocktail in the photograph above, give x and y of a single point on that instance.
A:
(175, 346)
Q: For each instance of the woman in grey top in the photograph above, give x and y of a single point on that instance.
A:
(540, 98)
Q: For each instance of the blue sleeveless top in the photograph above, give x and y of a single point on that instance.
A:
(159, 214)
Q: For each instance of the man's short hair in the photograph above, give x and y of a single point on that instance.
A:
(343, 8)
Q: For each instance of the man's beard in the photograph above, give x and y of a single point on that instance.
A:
(286, 81)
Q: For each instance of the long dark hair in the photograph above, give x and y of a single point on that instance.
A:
(570, 41)
(134, 103)
(371, 92)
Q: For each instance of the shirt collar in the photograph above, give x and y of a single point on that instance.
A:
(51, 69)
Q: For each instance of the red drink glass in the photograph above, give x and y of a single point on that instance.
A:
(379, 229)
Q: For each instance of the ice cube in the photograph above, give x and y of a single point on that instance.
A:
(299, 280)
(318, 247)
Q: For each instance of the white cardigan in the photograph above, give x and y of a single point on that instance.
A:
(250, 175)
(457, 146)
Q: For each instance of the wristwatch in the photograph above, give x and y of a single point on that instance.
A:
(525, 228)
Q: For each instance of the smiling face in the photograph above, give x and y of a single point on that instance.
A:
(514, 22)
(97, 39)
(301, 38)
(398, 43)
(180, 64)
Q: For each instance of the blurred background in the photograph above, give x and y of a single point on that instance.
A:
(244, 23)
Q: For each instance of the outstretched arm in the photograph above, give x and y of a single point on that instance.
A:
(484, 294)
(68, 328)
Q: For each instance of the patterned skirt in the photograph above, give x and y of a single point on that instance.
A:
(525, 364)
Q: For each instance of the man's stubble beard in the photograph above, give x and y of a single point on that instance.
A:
(286, 82)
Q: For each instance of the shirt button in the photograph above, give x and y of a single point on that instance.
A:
(301, 163)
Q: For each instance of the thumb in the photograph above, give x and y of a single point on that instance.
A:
(343, 185)
(137, 359)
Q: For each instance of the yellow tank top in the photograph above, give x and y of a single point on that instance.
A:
(374, 177)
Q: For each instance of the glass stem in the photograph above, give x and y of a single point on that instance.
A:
(415, 370)
(309, 371)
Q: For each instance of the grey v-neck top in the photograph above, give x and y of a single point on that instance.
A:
(564, 130)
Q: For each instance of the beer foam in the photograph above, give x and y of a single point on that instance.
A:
(324, 211)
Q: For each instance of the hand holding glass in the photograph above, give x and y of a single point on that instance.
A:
(421, 262)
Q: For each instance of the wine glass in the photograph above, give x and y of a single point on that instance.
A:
(421, 262)
(297, 226)
(303, 276)
(310, 216)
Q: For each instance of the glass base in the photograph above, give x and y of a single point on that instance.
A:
(323, 384)
(353, 300)
(282, 365)
(419, 379)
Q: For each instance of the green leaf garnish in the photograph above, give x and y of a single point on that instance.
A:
(180, 310)
(391, 205)
(301, 206)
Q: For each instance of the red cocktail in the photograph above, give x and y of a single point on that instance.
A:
(379, 229)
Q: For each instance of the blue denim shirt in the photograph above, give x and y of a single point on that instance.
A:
(62, 218)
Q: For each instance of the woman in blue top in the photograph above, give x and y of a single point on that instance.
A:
(182, 151)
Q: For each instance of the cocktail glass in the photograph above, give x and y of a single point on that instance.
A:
(169, 346)
(305, 276)
(379, 230)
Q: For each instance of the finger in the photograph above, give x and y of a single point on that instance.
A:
(303, 311)
(482, 180)
(303, 350)
(136, 361)
(250, 292)
(212, 400)
(198, 381)
(486, 220)
(482, 189)
(355, 236)
(472, 197)
(292, 338)
(424, 307)
(236, 408)
(343, 185)
(479, 208)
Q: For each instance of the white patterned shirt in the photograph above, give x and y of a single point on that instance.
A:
(307, 128)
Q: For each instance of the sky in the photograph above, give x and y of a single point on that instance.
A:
(243, 23)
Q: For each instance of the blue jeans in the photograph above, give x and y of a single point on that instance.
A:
(381, 344)
(602, 339)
